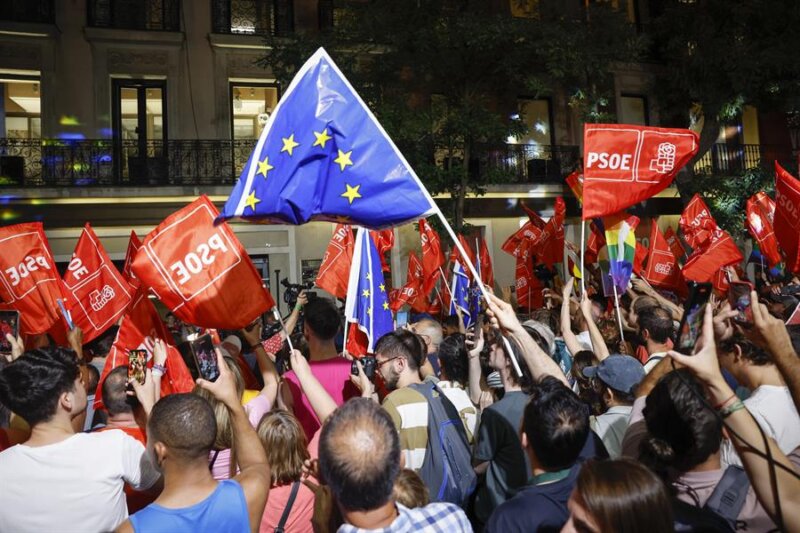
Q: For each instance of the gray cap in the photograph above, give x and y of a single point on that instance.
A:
(544, 332)
(620, 372)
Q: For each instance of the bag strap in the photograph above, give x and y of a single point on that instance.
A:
(730, 493)
(288, 508)
(213, 460)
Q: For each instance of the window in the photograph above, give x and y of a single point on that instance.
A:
(537, 116)
(20, 115)
(251, 105)
(633, 110)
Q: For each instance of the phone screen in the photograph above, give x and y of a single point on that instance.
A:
(205, 357)
(402, 318)
(692, 321)
(9, 323)
(739, 298)
(137, 360)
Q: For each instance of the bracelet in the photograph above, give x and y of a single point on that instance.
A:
(159, 370)
(720, 405)
(298, 307)
(732, 408)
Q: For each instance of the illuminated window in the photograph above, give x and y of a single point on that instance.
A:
(537, 116)
(21, 112)
(633, 110)
(251, 105)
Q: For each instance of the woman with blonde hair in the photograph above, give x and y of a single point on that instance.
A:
(290, 506)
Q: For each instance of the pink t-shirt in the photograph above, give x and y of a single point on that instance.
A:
(299, 520)
(255, 409)
(334, 375)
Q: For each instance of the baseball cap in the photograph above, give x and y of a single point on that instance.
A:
(544, 332)
(620, 372)
(233, 340)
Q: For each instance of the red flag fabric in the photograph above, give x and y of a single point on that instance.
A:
(760, 214)
(575, 183)
(518, 242)
(674, 243)
(549, 248)
(787, 216)
(334, 272)
(595, 243)
(527, 285)
(625, 164)
(720, 281)
(706, 260)
(432, 255)
(455, 255)
(533, 216)
(411, 292)
(30, 281)
(696, 222)
(98, 293)
(140, 327)
(133, 246)
(662, 266)
(640, 256)
(384, 240)
(201, 271)
(487, 272)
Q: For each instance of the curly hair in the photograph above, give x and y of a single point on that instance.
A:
(453, 358)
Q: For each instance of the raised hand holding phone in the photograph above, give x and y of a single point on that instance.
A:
(224, 387)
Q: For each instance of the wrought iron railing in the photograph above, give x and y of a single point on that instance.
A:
(731, 159)
(36, 11)
(529, 163)
(252, 17)
(155, 15)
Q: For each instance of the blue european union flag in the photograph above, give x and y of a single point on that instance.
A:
(460, 292)
(367, 300)
(324, 156)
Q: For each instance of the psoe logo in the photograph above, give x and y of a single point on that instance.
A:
(665, 161)
(98, 299)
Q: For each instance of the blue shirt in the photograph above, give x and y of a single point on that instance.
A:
(224, 511)
(433, 518)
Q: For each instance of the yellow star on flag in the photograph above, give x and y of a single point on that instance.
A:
(351, 193)
(343, 160)
(369, 311)
(264, 167)
(382, 287)
(322, 138)
(368, 276)
(365, 293)
(289, 144)
(385, 306)
(251, 201)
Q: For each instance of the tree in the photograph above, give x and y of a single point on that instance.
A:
(443, 76)
(716, 56)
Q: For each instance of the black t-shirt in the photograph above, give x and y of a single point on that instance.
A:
(535, 508)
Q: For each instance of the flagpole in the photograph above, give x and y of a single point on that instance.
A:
(283, 328)
(475, 276)
(444, 282)
(583, 251)
(619, 315)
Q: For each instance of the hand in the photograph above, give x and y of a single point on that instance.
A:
(323, 506)
(640, 285)
(704, 363)
(586, 306)
(299, 364)
(501, 314)
(75, 339)
(17, 348)
(723, 329)
(477, 343)
(767, 332)
(159, 352)
(566, 290)
(362, 381)
(146, 392)
(302, 299)
(505, 292)
(252, 333)
(224, 388)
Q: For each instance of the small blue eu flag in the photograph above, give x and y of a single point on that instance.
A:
(324, 156)
(367, 299)
(459, 288)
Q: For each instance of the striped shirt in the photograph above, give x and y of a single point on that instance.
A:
(460, 399)
(409, 411)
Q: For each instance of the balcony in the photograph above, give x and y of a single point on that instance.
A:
(252, 17)
(729, 159)
(149, 15)
(28, 11)
(528, 163)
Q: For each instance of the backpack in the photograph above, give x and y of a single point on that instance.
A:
(730, 494)
(447, 469)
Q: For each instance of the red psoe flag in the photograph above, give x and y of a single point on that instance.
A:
(595, 243)
(411, 292)
(550, 245)
(527, 285)
(662, 266)
(139, 330)
(432, 255)
(533, 216)
(334, 272)
(97, 292)
(519, 241)
(787, 216)
(487, 272)
(201, 271)
(30, 281)
(384, 240)
(674, 243)
(625, 164)
(575, 184)
(760, 214)
(704, 263)
(455, 255)
(133, 246)
(696, 223)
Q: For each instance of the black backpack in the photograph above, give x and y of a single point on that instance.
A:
(447, 469)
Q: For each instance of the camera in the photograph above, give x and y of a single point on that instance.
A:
(368, 362)
(292, 290)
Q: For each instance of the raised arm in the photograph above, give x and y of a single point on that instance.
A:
(318, 397)
(643, 287)
(474, 357)
(598, 342)
(254, 474)
(265, 365)
(570, 339)
(291, 322)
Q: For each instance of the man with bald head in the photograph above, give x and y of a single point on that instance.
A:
(431, 332)
(359, 460)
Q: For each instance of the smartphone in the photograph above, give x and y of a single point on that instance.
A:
(137, 361)
(205, 358)
(739, 298)
(368, 362)
(402, 318)
(692, 320)
(9, 323)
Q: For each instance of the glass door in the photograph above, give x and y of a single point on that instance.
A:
(140, 131)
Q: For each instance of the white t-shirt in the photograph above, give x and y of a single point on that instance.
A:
(73, 485)
(774, 410)
(460, 399)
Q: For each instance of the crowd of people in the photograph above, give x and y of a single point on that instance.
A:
(573, 417)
